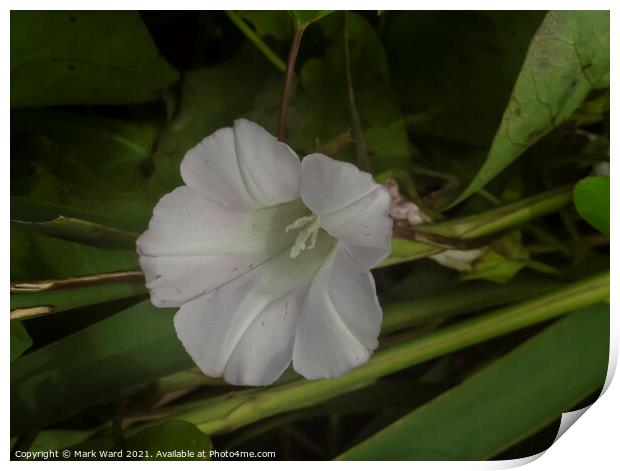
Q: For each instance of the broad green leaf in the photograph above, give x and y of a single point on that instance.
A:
(40, 257)
(97, 169)
(84, 57)
(453, 72)
(304, 18)
(319, 111)
(592, 200)
(212, 98)
(126, 350)
(160, 442)
(506, 401)
(20, 340)
(82, 231)
(567, 59)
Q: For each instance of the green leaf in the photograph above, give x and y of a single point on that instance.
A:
(39, 257)
(461, 299)
(275, 23)
(262, 29)
(91, 168)
(228, 412)
(503, 217)
(161, 441)
(82, 231)
(84, 57)
(28, 305)
(448, 66)
(20, 340)
(506, 401)
(453, 72)
(321, 109)
(304, 18)
(568, 58)
(126, 350)
(212, 98)
(476, 225)
(592, 200)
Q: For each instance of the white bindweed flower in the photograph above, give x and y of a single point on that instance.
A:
(268, 258)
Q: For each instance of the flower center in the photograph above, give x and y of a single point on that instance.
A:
(308, 227)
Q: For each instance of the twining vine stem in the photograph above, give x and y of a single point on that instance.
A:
(363, 160)
(288, 81)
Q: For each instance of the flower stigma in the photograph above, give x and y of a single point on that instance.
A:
(309, 232)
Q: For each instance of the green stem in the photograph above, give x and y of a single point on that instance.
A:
(504, 217)
(288, 80)
(476, 226)
(258, 42)
(462, 299)
(361, 151)
(226, 413)
(544, 268)
(549, 239)
(490, 197)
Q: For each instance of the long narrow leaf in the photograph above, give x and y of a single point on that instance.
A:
(29, 305)
(505, 402)
(82, 231)
(225, 413)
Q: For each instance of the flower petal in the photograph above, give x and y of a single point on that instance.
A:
(244, 329)
(242, 168)
(266, 348)
(194, 245)
(340, 319)
(349, 205)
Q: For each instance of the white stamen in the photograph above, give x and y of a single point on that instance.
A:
(309, 232)
(299, 223)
